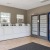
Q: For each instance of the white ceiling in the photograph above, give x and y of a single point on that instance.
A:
(23, 4)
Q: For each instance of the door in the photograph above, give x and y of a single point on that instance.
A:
(49, 28)
(43, 26)
(35, 25)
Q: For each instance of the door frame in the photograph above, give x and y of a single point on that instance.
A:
(46, 38)
(38, 26)
(48, 27)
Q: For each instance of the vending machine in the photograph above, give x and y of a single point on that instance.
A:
(49, 26)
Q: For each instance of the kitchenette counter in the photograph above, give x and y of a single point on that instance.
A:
(15, 31)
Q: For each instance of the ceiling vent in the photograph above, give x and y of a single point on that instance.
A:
(44, 0)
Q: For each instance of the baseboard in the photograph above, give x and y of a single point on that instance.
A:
(14, 38)
(42, 37)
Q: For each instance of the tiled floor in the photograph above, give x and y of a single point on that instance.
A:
(8, 44)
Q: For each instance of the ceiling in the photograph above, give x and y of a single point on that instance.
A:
(23, 4)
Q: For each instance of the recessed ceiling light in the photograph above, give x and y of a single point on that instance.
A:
(41, 0)
(8, 3)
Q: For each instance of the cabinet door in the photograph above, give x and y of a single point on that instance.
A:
(1, 31)
(7, 30)
(35, 25)
(1, 34)
(43, 25)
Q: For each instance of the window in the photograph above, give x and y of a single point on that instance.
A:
(20, 18)
(5, 17)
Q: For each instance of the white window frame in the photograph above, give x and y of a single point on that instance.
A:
(4, 15)
(20, 17)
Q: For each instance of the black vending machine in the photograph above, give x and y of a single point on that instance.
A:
(49, 26)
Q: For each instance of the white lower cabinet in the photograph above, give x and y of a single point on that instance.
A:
(1, 33)
(10, 32)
